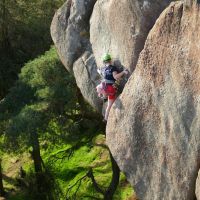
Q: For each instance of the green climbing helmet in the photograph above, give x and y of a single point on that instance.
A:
(106, 57)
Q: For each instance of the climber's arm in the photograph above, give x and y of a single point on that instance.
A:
(119, 75)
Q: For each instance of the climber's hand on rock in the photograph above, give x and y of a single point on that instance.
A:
(126, 71)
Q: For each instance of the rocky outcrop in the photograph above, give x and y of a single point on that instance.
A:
(121, 28)
(86, 76)
(153, 129)
(70, 30)
(70, 33)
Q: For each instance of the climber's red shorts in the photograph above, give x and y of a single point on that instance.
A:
(106, 90)
(110, 91)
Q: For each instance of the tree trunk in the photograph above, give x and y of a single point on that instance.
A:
(4, 27)
(36, 153)
(108, 194)
(37, 159)
(115, 180)
(5, 46)
(2, 192)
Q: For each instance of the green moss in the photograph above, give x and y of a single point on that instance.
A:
(68, 172)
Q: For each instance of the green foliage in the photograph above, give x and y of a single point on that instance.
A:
(50, 81)
(24, 34)
(45, 90)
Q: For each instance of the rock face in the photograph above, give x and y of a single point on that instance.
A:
(86, 76)
(121, 28)
(70, 33)
(197, 191)
(153, 129)
(70, 30)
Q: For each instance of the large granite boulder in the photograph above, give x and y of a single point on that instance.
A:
(70, 33)
(197, 191)
(153, 130)
(70, 30)
(121, 28)
(87, 78)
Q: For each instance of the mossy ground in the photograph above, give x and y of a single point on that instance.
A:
(68, 171)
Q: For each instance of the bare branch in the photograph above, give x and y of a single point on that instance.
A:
(115, 179)
(96, 186)
(70, 188)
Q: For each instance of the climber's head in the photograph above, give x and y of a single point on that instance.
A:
(106, 58)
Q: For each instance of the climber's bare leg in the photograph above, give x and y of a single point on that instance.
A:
(110, 103)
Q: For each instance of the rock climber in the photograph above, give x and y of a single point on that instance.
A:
(107, 89)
